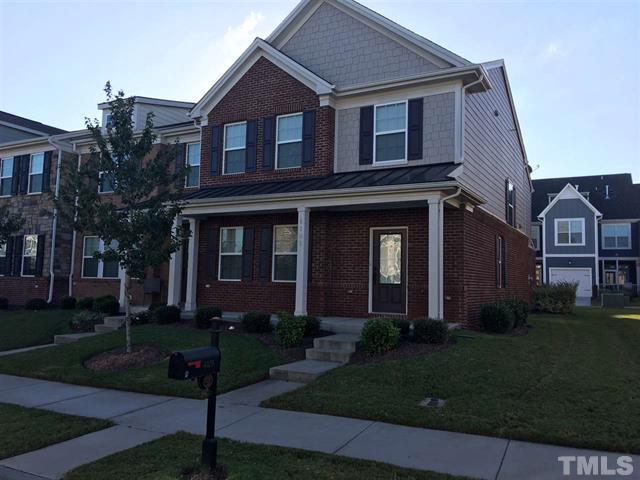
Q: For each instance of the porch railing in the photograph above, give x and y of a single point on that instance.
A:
(631, 289)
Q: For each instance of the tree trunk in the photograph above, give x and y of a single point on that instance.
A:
(127, 311)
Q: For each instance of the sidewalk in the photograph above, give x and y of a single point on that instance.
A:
(141, 418)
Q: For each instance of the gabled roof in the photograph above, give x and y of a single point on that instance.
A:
(430, 50)
(569, 192)
(258, 49)
(27, 125)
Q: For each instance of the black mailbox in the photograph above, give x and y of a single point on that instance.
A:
(196, 363)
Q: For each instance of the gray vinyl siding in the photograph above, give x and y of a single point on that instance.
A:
(492, 151)
(569, 208)
(345, 51)
(162, 115)
(8, 134)
(570, 262)
(438, 134)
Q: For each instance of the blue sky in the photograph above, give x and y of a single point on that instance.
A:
(574, 67)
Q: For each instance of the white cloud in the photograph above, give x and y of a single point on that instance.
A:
(555, 50)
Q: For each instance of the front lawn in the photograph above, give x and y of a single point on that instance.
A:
(573, 380)
(26, 328)
(244, 360)
(176, 456)
(26, 429)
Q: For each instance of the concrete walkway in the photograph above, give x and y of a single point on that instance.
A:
(140, 418)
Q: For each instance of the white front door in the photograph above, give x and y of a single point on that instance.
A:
(580, 275)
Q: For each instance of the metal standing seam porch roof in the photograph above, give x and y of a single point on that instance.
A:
(362, 179)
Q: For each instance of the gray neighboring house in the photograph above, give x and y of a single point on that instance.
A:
(586, 229)
(14, 128)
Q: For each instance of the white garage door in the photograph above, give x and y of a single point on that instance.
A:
(580, 275)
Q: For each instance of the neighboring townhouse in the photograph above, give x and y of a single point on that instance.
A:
(14, 128)
(586, 229)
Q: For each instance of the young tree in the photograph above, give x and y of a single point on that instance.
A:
(10, 223)
(136, 224)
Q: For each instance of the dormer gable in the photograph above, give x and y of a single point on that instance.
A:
(569, 192)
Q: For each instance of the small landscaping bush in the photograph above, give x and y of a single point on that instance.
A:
(520, 310)
(153, 306)
(496, 317)
(4, 303)
(36, 304)
(85, 303)
(166, 314)
(205, 314)
(290, 330)
(403, 325)
(256, 322)
(311, 326)
(68, 303)
(108, 305)
(430, 331)
(85, 321)
(140, 318)
(379, 335)
(555, 297)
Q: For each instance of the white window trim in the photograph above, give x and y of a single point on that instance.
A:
(225, 149)
(284, 142)
(102, 192)
(274, 253)
(100, 273)
(5, 177)
(511, 205)
(628, 247)
(186, 162)
(405, 131)
(557, 244)
(220, 254)
(29, 192)
(22, 257)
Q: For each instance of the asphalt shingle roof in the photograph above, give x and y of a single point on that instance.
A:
(31, 124)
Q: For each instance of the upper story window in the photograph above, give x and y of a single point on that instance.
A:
(231, 240)
(285, 253)
(108, 120)
(105, 183)
(235, 147)
(535, 236)
(569, 231)
(289, 141)
(6, 176)
(510, 196)
(93, 267)
(616, 235)
(390, 122)
(36, 171)
(29, 255)
(193, 165)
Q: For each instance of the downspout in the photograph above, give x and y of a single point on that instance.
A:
(72, 264)
(441, 257)
(462, 114)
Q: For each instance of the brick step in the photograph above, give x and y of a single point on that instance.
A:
(328, 355)
(115, 321)
(103, 328)
(343, 341)
(304, 371)
(71, 337)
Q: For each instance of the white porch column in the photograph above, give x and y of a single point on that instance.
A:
(302, 265)
(436, 307)
(192, 265)
(175, 272)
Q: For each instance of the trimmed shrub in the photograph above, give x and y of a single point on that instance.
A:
(166, 314)
(379, 335)
(4, 303)
(108, 305)
(140, 318)
(430, 331)
(555, 297)
(520, 310)
(290, 330)
(205, 314)
(496, 317)
(36, 304)
(256, 322)
(68, 303)
(403, 325)
(85, 320)
(311, 326)
(153, 306)
(85, 303)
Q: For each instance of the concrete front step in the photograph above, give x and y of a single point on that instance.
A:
(103, 328)
(304, 371)
(71, 337)
(346, 342)
(116, 321)
(328, 355)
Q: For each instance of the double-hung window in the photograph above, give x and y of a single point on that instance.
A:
(285, 253)
(93, 267)
(235, 147)
(569, 231)
(390, 122)
(616, 235)
(36, 172)
(6, 176)
(29, 255)
(231, 253)
(289, 141)
(105, 183)
(193, 165)
(510, 196)
(3, 258)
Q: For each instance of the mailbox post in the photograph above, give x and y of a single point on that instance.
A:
(210, 444)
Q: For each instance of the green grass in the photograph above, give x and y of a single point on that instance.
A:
(168, 457)
(573, 380)
(244, 360)
(25, 429)
(26, 328)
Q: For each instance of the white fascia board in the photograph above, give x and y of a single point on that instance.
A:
(569, 192)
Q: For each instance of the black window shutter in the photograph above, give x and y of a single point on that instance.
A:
(414, 140)
(498, 266)
(513, 202)
(6, 270)
(181, 156)
(15, 180)
(504, 262)
(266, 239)
(250, 152)
(216, 149)
(247, 254)
(212, 252)
(16, 264)
(46, 171)
(40, 255)
(24, 173)
(366, 135)
(268, 142)
(308, 137)
(506, 201)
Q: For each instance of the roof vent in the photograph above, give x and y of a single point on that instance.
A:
(606, 192)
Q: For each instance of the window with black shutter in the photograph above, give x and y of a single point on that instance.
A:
(266, 239)
(308, 137)
(211, 262)
(5, 256)
(251, 152)
(510, 201)
(414, 134)
(216, 150)
(247, 254)
(268, 142)
(366, 136)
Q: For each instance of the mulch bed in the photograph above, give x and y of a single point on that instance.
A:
(405, 349)
(118, 360)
